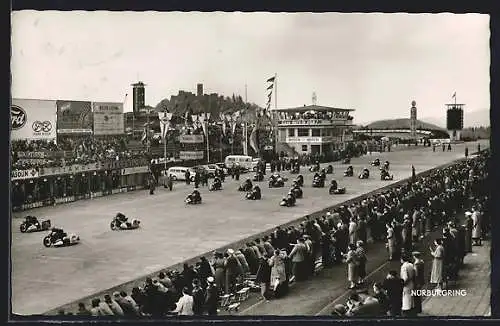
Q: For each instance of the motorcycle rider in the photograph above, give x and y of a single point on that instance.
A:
(349, 170)
(121, 218)
(299, 180)
(333, 185)
(217, 183)
(259, 175)
(247, 185)
(57, 234)
(255, 193)
(376, 162)
(296, 189)
(32, 220)
(365, 173)
(195, 196)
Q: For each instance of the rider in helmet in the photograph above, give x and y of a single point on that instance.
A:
(32, 220)
(58, 234)
(217, 182)
(248, 184)
(195, 195)
(256, 192)
(350, 169)
(121, 218)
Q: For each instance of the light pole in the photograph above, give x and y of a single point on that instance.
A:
(205, 122)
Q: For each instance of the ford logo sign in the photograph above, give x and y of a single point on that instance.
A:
(18, 117)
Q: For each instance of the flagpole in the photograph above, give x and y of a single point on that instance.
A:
(205, 121)
(165, 145)
(275, 112)
(245, 131)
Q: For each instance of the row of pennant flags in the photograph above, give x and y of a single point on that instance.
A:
(231, 120)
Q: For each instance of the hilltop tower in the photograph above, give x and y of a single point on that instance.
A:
(455, 120)
(413, 120)
(139, 96)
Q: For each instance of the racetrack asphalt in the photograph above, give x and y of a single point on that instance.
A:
(172, 232)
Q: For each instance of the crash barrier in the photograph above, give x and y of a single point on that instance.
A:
(230, 299)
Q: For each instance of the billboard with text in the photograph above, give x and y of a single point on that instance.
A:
(33, 119)
(108, 118)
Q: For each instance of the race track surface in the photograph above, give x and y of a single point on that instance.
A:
(171, 232)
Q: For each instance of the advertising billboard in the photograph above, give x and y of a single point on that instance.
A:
(74, 117)
(191, 139)
(108, 118)
(33, 119)
(191, 155)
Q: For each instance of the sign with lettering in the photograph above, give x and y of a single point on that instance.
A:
(134, 170)
(191, 155)
(33, 119)
(108, 118)
(304, 140)
(23, 174)
(191, 139)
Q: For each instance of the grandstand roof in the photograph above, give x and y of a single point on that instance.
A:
(311, 107)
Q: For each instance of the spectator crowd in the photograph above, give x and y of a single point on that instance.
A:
(400, 217)
(72, 150)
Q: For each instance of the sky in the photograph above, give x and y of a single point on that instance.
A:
(375, 64)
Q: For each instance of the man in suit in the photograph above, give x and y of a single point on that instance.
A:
(298, 256)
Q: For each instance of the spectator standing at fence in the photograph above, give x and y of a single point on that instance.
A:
(212, 297)
(352, 266)
(278, 274)
(220, 270)
(437, 271)
(476, 227)
(361, 262)
(298, 257)
(232, 270)
(393, 286)
(391, 243)
(419, 267)
(263, 277)
(184, 306)
(198, 298)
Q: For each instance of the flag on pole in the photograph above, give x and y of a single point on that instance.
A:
(270, 87)
(271, 80)
(454, 96)
(253, 139)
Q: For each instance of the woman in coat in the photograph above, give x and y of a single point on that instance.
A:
(220, 270)
(278, 274)
(437, 264)
(351, 260)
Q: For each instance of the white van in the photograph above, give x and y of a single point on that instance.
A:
(246, 162)
(178, 173)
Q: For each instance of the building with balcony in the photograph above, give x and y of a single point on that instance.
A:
(314, 129)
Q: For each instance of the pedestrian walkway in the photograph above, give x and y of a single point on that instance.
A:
(474, 277)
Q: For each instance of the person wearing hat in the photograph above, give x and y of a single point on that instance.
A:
(233, 270)
(408, 276)
(212, 297)
(220, 270)
(198, 298)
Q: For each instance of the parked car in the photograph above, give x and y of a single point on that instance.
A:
(178, 173)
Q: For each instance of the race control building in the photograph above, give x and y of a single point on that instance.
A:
(314, 129)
